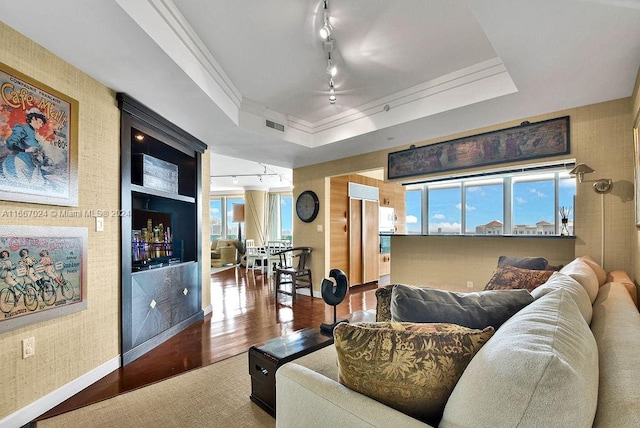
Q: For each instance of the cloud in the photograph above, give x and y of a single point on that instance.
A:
(215, 210)
(445, 227)
(468, 207)
(521, 201)
(538, 193)
(411, 219)
(438, 216)
(473, 189)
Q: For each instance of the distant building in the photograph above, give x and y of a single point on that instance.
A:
(541, 228)
(492, 228)
(545, 228)
(525, 229)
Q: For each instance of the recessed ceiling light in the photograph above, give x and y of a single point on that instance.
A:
(139, 137)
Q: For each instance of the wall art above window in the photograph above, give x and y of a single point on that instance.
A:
(527, 141)
(38, 142)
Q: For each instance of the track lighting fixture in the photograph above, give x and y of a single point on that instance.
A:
(328, 46)
(268, 172)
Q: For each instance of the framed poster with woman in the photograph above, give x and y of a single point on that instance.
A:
(38, 141)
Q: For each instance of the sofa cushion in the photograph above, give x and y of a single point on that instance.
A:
(536, 263)
(580, 270)
(383, 302)
(410, 367)
(615, 327)
(473, 310)
(601, 274)
(539, 370)
(509, 277)
(575, 290)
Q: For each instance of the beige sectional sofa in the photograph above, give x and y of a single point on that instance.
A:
(570, 358)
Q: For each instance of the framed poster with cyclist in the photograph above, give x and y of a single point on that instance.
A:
(42, 273)
(38, 141)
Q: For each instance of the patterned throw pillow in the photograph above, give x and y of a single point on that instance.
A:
(410, 367)
(509, 277)
(536, 263)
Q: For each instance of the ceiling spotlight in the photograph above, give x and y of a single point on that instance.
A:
(332, 92)
(235, 179)
(325, 31)
(139, 137)
(260, 177)
(332, 70)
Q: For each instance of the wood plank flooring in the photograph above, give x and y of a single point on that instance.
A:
(245, 313)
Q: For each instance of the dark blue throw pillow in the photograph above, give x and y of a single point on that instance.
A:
(474, 310)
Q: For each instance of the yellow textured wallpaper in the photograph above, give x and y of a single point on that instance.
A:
(601, 137)
(70, 346)
(636, 122)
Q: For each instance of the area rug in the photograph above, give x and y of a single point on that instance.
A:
(216, 395)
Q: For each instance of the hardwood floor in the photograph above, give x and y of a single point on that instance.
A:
(245, 313)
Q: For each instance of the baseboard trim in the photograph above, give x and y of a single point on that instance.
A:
(51, 400)
(208, 310)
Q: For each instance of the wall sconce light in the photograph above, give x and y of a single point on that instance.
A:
(602, 185)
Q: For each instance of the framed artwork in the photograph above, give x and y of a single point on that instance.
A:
(527, 141)
(42, 273)
(38, 142)
(636, 167)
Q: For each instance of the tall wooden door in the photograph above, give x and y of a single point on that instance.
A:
(370, 242)
(364, 252)
(355, 242)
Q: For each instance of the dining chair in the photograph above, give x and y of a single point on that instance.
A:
(254, 254)
(293, 268)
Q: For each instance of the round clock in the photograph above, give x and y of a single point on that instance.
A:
(307, 206)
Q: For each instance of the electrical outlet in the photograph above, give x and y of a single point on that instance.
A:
(99, 224)
(469, 284)
(28, 347)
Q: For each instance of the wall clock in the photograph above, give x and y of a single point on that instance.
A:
(307, 206)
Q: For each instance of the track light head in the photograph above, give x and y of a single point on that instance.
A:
(332, 70)
(332, 92)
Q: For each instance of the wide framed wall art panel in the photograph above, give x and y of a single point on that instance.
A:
(527, 141)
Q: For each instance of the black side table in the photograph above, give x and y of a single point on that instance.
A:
(265, 359)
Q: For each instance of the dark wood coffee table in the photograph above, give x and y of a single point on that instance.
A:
(265, 359)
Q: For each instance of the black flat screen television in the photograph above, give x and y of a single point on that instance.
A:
(152, 243)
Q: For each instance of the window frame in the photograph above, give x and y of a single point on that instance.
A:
(557, 173)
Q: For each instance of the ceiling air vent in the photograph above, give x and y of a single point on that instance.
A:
(274, 125)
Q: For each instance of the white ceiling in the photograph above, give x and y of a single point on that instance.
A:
(409, 70)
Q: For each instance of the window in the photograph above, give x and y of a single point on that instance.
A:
(286, 217)
(280, 217)
(414, 211)
(534, 205)
(484, 207)
(232, 228)
(215, 224)
(444, 208)
(522, 203)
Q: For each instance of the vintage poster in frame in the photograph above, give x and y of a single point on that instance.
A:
(524, 142)
(42, 273)
(38, 142)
